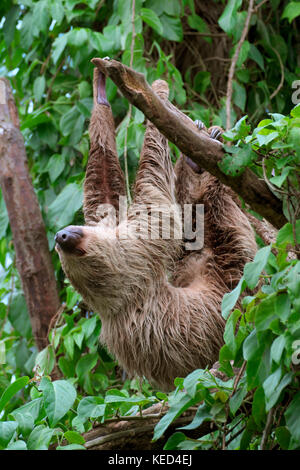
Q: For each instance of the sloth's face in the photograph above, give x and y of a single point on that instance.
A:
(89, 259)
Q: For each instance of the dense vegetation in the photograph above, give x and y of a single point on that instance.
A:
(45, 51)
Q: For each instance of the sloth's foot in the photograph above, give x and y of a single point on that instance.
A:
(200, 125)
(216, 132)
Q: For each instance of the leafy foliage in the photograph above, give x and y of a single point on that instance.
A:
(54, 396)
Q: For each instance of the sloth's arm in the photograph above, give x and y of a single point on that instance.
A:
(155, 176)
(104, 179)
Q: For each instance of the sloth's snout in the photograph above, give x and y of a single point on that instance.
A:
(69, 239)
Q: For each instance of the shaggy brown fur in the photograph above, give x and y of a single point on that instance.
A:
(159, 305)
(104, 179)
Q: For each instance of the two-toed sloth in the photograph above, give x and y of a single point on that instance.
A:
(159, 303)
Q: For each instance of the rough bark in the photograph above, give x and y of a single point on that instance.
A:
(29, 235)
(136, 433)
(181, 130)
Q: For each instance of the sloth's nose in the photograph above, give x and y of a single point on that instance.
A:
(69, 238)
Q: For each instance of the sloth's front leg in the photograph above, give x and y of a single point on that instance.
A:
(214, 132)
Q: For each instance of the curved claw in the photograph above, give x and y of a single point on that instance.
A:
(199, 124)
(215, 133)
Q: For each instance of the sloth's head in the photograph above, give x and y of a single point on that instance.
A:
(90, 260)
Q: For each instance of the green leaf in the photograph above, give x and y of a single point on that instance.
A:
(251, 346)
(172, 28)
(77, 37)
(243, 54)
(230, 330)
(55, 166)
(292, 417)
(17, 445)
(7, 430)
(58, 396)
(4, 221)
(230, 299)
(277, 348)
(202, 414)
(68, 121)
(196, 22)
(151, 18)
(71, 447)
(11, 390)
(77, 131)
(172, 8)
(10, 24)
(296, 111)
(255, 55)
(252, 271)
(264, 138)
(18, 315)
(258, 406)
(27, 415)
(85, 106)
(227, 20)
(237, 159)
(291, 11)
(182, 404)
(58, 47)
(239, 97)
(39, 88)
(62, 210)
(40, 17)
(27, 30)
(91, 407)
(265, 313)
(237, 399)
(201, 81)
(85, 364)
(57, 11)
(69, 345)
(74, 437)
(25, 422)
(39, 438)
(45, 361)
(273, 387)
(174, 440)
(72, 297)
(286, 234)
(283, 437)
(293, 282)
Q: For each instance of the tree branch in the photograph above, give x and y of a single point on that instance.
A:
(33, 258)
(181, 130)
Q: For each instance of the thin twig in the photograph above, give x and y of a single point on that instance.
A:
(267, 429)
(130, 106)
(282, 74)
(210, 35)
(221, 59)
(53, 79)
(259, 5)
(235, 385)
(233, 64)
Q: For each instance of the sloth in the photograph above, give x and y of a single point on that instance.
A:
(159, 302)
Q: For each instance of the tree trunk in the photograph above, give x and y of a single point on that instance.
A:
(33, 258)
